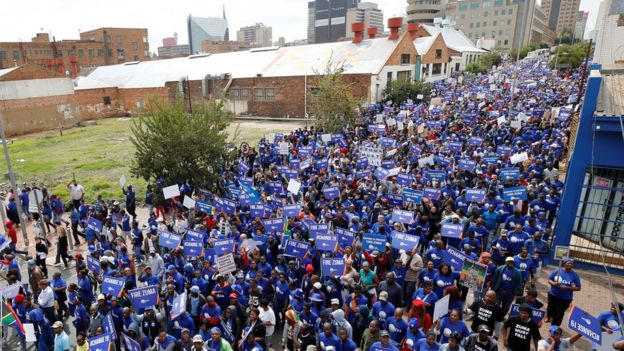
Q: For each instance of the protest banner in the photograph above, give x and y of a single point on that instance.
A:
(100, 343)
(473, 275)
(179, 305)
(476, 195)
(295, 248)
(373, 154)
(226, 264)
(294, 186)
(372, 242)
(412, 195)
(292, 210)
(95, 225)
(509, 173)
(536, 314)
(325, 242)
(169, 240)
(404, 241)
(131, 344)
(402, 216)
(454, 258)
(188, 202)
(332, 266)
(93, 265)
(404, 179)
(171, 191)
(432, 193)
(331, 192)
(345, 236)
(273, 225)
(193, 248)
(441, 308)
(318, 229)
(452, 230)
(112, 285)
(144, 297)
(585, 324)
(466, 164)
(109, 326)
(514, 193)
(195, 235)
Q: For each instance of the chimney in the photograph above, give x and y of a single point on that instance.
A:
(394, 24)
(358, 30)
(372, 32)
(412, 28)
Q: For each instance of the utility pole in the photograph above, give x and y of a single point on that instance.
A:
(513, 82)
(18, 201)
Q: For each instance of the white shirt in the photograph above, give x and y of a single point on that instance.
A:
(76, 191)
(565, 345)
(268, 317)
(46, 297)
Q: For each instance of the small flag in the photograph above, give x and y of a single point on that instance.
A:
(10, 319)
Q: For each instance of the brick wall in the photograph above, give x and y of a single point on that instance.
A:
(133, 101)
(430, 56)
(29, 71)
(92, 103)
(38, 114)
(405, 46)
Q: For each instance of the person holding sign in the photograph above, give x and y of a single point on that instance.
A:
(563, 283)
(556, 343)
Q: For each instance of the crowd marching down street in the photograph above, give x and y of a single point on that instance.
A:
(421, 228)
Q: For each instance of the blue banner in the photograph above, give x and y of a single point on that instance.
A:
(476, 195)
(386, 142)
(455, 146)
(296, 248)
(537, 315)
(113, 286)
(432, 193)
(503, 150)
(331, 192)
(332, 266)
(466, 164)
(224, 246)
(454, 258)
(193, 248)
(387, 164)
(404, 179)
(362, 173)
(412, 195)
(585, 324)
(169, 240)
(144, 297)
(380, 173)
(292, 210)
(475, 141)
(257, 210)
(395, 200)
(372, 242)
(274, 225)
(229, 206)
(109, 326)
(345, 237)
(95, 225)
(131, 344)
(509, 173)
(404, 241)
(101, 342)
(402, 216)
(204, 206)
(195, 235)
(318, 229)
(325, 242)
(490, 160)
(451, 230)
(435, 175)
(93, 265)
(361, 163)
(517, 193)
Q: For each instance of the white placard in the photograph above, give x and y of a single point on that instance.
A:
(227, 264)
(391, 153)
(122, 180)
(373, 154)
(283, 148)
(492, 87)
(171, 191)
(394, 171)
(521, 157)
(29, 328)
(400, 126)
(516, 124)
(480, 96)
(188, 202)
(481, 104)
(391, 122)
(379, 118)
(441, 308)
(11, 291)
(294, 186)
(420, 96)
(523, 117)
(422, 162)
(500, 120)
(271, 137)
(326, 138)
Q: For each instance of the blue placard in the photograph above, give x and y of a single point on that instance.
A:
(321, 164)
(452, 230)
(93, 265)
(475, 141)
(193, 248)
(195, 235)
(466, 164)
(537, 315)
(362, 173)
(318, 229)
(435, 175)
(274, 225)
(509, 173)
(402, 216)
(112, 286)
(229, 206)
(414, 149)
(131, 344)
(388, 164)
(331, 192)
(179, 306)
(444, 161)
(585, 324)
(325, 242)
(372, 242)
(503, 150)
(101, 342)
(432, 193)
(292, 210)
(332, 266)
(95, 225)
(361, 163)
(257, 210)
(204, 206)
(404, 241)
(276, 187)
(109, 326)
(490, 160)
(345, 236)
(476, 195)
(169, 240)
(412, 195)
(295, 163)
(144, 297)
(455, 146)
(386, 142)
(454, 258)
(245, 180)
(516, 192)
(224, 246)
(404, 179)
(395, 200)
(296, 248)
(242, 168)
(381, 173)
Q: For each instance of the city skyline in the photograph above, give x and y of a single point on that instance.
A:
(287, 17)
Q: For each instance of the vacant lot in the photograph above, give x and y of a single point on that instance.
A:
(99, 154)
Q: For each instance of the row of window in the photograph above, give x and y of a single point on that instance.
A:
(119, 39)
(260, 94)
(485, 24)
(474, 5)
(485, 14)
(70, 52)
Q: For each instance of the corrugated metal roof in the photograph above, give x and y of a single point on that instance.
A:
(7, 71)
(369, 56)
(423, 44)
(454, 39)
(83, 83)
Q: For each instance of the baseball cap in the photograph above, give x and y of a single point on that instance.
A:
(509, 259)
(383, 296)
(483, 327)
(335, 302)
(101, 297)
(198, 338)
(318, 285)
(384, 333)
(57, 324)
(555, 330)
(413, 323)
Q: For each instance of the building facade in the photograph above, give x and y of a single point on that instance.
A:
(367, 13)
(561, 14)
(327, 20)
(125, 44)
(217, 47)
(609, 51)
(581, 23)
(206, 28)
(257, 34)
(171, 48)
(424, 11)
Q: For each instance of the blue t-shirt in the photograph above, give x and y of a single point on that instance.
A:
(383, 312)
(610, 320)
(447, 328)
(564, 278)
(442, 281)
(396, 328)
(507, 276)
(422, 345)
(428, 298)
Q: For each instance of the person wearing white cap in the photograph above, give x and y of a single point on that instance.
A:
(61, 340)
(198, 343)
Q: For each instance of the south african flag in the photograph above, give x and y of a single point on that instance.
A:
(10, 319)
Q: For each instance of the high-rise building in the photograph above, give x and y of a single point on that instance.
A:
(424, 11)
(581, 23)
(206, 28)
(257, 34)
(327, 19)
(171, 48)
(561, 14)
(367, 13)
(609, 49)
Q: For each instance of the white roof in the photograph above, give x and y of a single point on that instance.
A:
(455, 39)
(423, 44)
(369, 56)
(7, 71)
(82, 83)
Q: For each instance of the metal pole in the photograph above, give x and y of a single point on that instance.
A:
(305, 96)
(18, 201)
(585, 72)
(513, 82)
(557, 56)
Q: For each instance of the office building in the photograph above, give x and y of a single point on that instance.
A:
(257, 34)
(424, 11)
(327, 20)
(581, 23)
(171, 48)
(206, 28)
(367, 13)
(561, 14)
(609, 51)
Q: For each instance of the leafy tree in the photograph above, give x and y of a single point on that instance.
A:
(524, 51)
(566, 37)
(402, 89)
(484, 63)
(178, 147)
(572, 55)
(333, 102)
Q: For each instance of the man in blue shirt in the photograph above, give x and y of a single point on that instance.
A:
(384, 343)
(396, 327)
(328, 338)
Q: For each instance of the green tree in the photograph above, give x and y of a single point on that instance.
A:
(402, 89)
(571, 56)
(524, 51)
(333, 102)
(484, 63)
(566, 37)
(179, 146)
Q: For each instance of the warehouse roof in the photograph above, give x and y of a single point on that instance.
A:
(455, 39)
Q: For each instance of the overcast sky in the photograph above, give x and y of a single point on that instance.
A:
(21, 19)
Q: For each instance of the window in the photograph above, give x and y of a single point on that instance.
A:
(494, 23)
(146, 53)
(500, 32)
(100, 52)
(470, 35)
(437, 68)
(59, 53)
(389, 77)
(487, 3)
(135, 46)
(110, 52)
(498, 2)
(471, 25)
(503, 12)
(404, 75)
(484, 24)
(239, 94)
(445, 67)
(145, 38)
(478, 24)
(107, 100)
(136, 58)
(462, 16)
(118, 39)
(265, 94)
(3, 55)
(463, 6)
(16, 55)
(90, 52)
(107, 39)
(474, 5)
(506, 42)
(485, 14)
(80, 52)
(71, 52)
(405, 59)
(457, 66)
(496, 13)
(509, 22)
(510, 11)
(438, 54)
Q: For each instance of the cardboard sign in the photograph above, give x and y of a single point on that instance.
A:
(169, 240)
(514, 193)
(318, 229)
(332, 266)
(466, 164)
(171, 191)
(122, 180)
(112, 285)
(402, 216)
(100, 343)
(451, 230)
(372, 242)
(476, 195)
(585, 324)
(441, 308)
(93, 265)
(373, 154)
(536, 314)
(296, 248)
(561, 252)
(193, 248)
(331, 192)
(179, 305)
(454, 258)
(345, 236)
(292, 210)
(294, 186)
(30, 334)
(412, 195)
(274, 225)
(226, 264)
(509, 173)
(188, 202)
(109, 326)
(144, 297)
(473, 274)
(404, 241)
(325, 242)
(95, 225)
(520, 157)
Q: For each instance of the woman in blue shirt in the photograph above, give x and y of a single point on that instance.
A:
(427, 274)
(563, 283)
(452, 323)
(427, 295)
(445, 277)
(428, 343)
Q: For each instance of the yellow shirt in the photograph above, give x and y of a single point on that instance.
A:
(84, 347)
